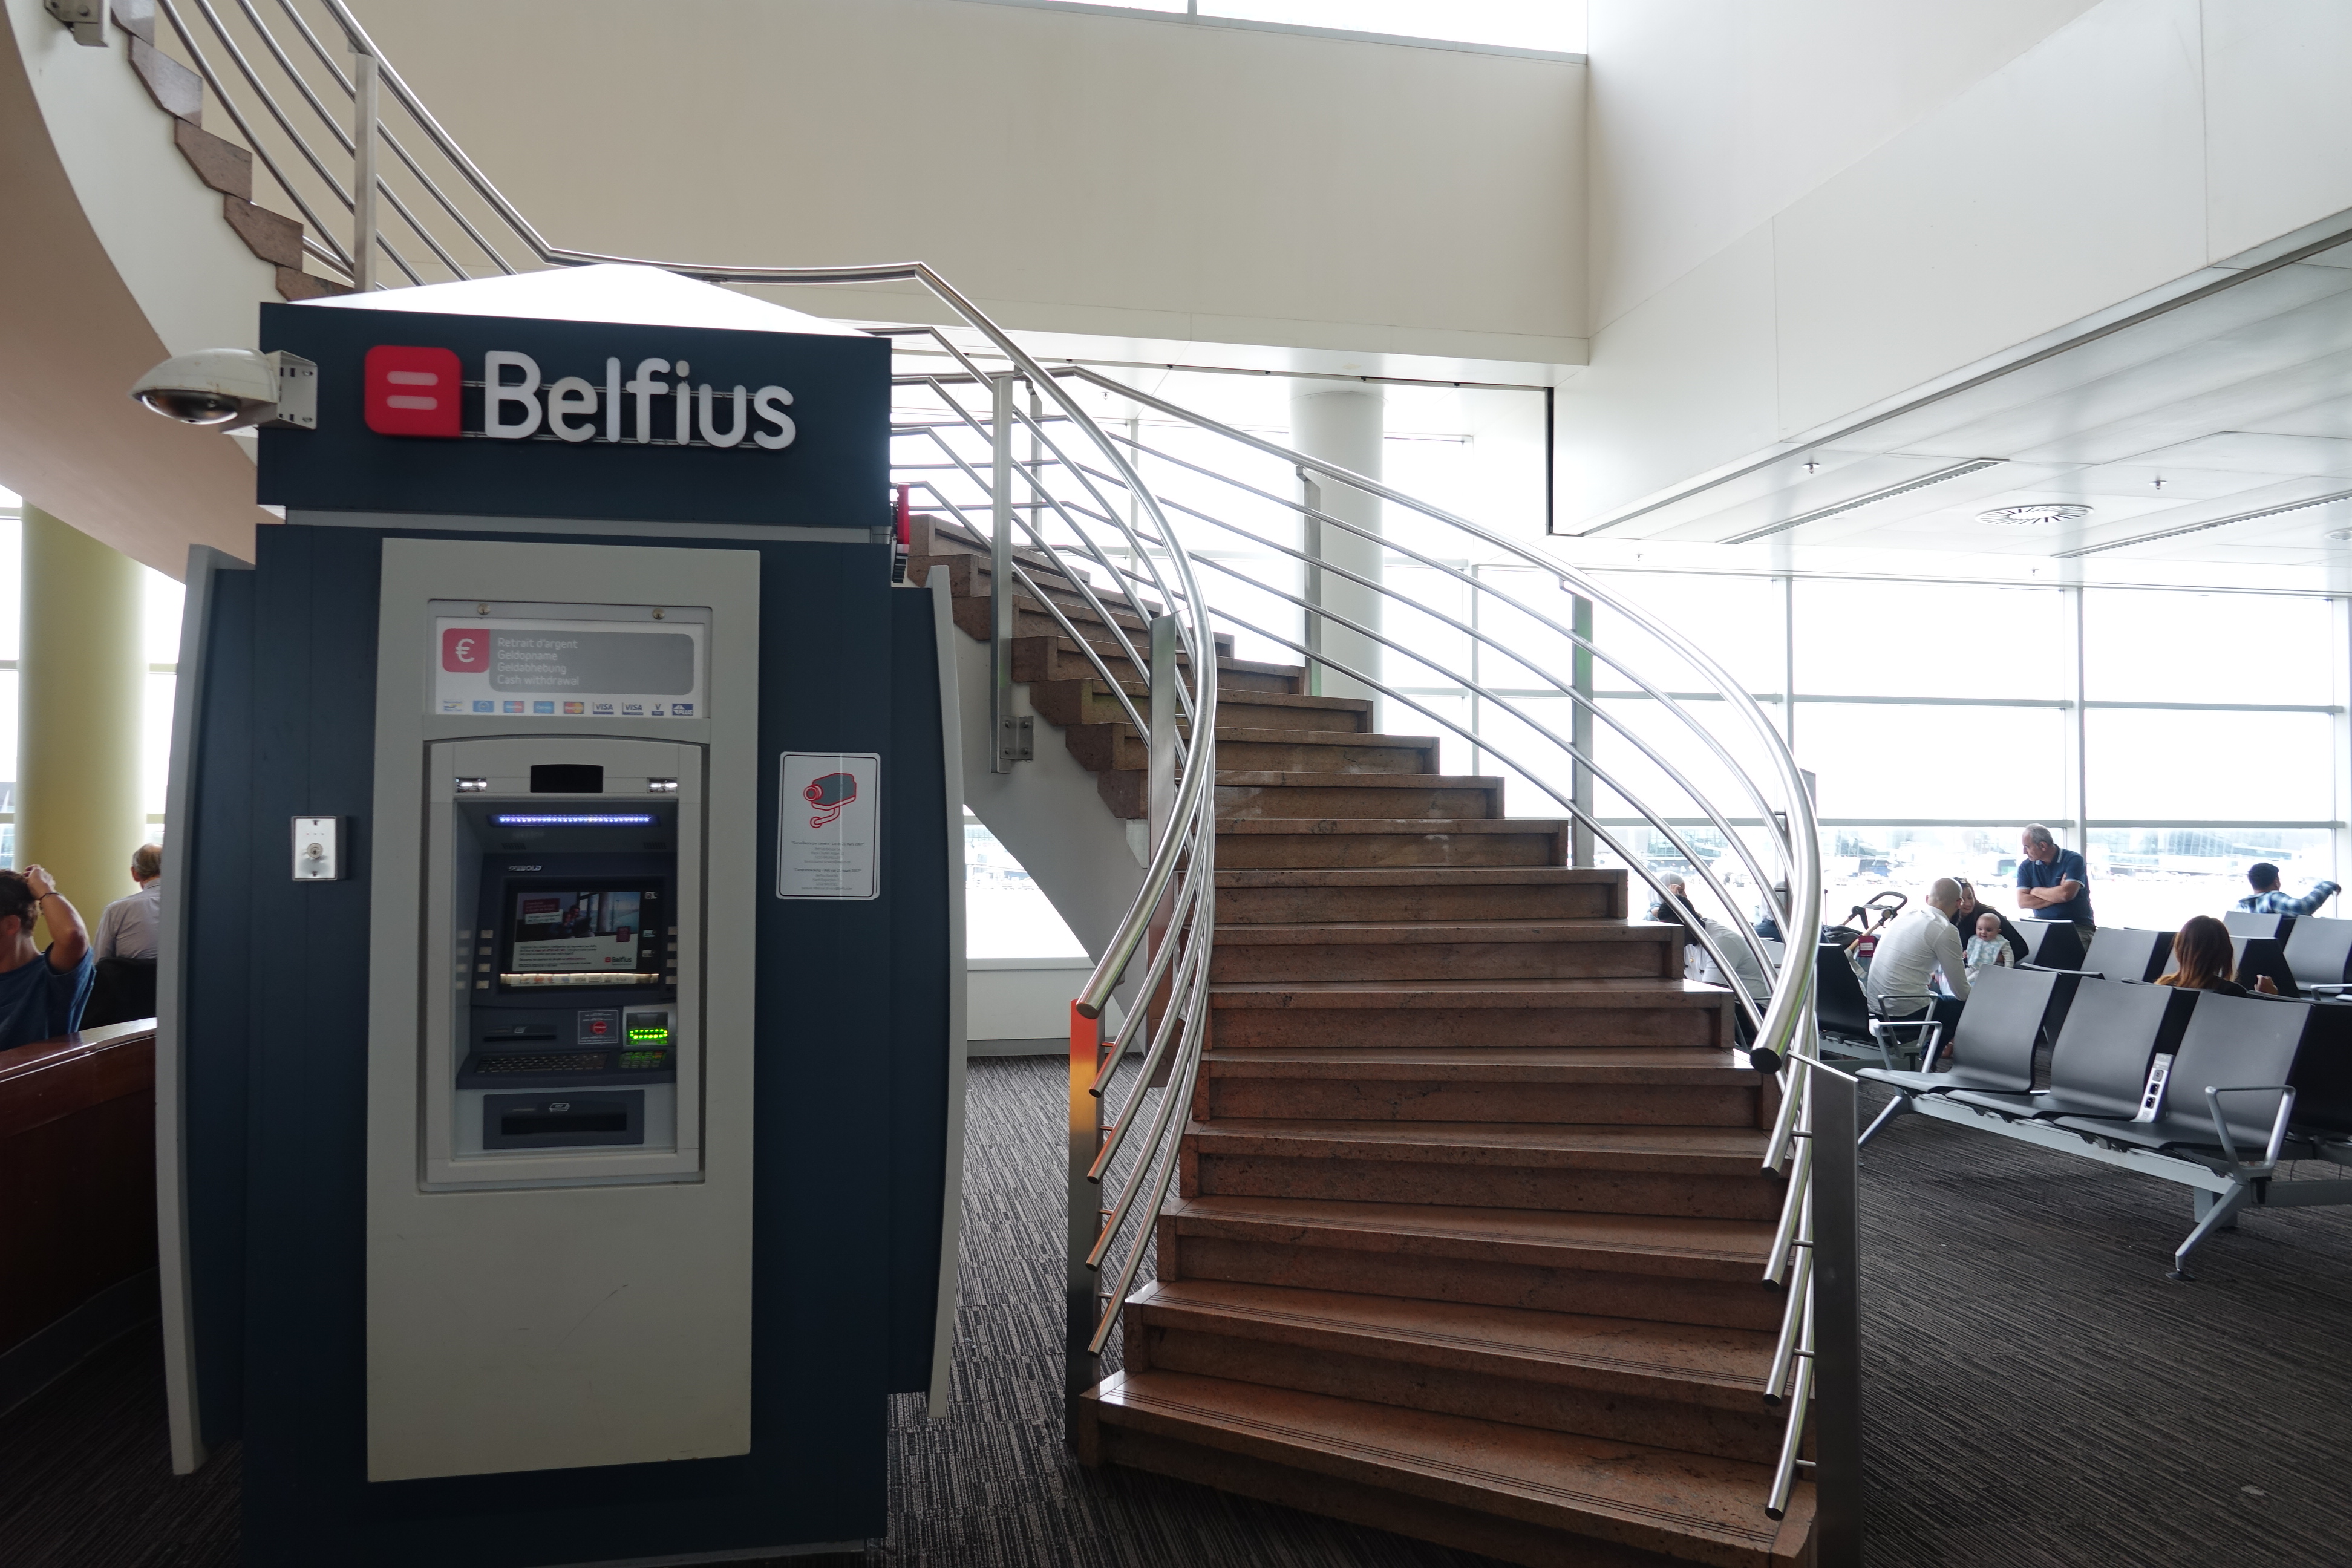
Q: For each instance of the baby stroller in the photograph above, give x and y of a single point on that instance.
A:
(1858, 935)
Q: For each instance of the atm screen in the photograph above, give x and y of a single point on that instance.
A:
(563, 938)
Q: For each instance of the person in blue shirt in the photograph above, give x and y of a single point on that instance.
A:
(2270, 899)
(2053, 884)
(41, 994)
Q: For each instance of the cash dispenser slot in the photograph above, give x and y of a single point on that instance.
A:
(564, 1121)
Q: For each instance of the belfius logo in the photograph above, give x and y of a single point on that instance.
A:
(414, 391)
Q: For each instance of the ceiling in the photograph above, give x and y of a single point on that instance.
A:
(2170, 428)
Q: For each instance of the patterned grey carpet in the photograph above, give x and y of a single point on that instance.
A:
(2039, 1394)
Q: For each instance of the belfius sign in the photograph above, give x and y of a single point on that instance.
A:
(570, 419)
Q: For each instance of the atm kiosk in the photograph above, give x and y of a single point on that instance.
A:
(558, 1132)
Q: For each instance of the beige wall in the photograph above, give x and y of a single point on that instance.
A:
(1076, 172)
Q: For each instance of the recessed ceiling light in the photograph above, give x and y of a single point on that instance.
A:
(2026, 516)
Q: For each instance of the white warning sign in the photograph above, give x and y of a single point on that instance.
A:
(828, 826)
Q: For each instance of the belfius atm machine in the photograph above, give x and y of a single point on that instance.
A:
(560, 1088)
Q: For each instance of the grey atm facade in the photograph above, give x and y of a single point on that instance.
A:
(547, 1189)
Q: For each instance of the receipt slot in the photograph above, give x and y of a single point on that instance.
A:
(566, 902)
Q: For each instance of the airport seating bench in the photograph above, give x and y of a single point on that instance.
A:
(2214, 1093)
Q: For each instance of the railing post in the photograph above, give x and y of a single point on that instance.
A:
(1014, 731)
(1837, 1318)
(1162, 779)
(1581, 734)
(363, 178)
(1080, 1309)
(1311, 541)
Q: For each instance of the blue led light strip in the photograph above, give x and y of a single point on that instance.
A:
(571, 819)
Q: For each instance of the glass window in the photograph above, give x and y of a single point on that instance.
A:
(2142, 645)
(156, 740)
(1931, 639)
(2155, 877)
(1881, 761)
(12, 596)
(1005, 914)
(2149, 765)
(160, 618)
(1735, 621)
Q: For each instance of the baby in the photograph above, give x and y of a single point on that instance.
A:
(1988, 948)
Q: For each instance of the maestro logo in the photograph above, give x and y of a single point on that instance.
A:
(419, 391)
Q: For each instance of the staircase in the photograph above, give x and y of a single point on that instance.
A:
(1472, 1205)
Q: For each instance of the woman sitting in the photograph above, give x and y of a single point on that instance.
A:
(2202, 959)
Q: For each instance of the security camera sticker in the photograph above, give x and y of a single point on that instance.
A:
(828, 826)
(829, 794)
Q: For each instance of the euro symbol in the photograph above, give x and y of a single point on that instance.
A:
(465, 650)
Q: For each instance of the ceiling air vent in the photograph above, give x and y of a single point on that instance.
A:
(2028, 516)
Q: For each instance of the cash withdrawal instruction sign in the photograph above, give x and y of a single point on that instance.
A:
(486, 667)
(827, 825)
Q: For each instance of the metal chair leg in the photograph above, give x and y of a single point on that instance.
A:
(1895, 1108)
(2224, 1211)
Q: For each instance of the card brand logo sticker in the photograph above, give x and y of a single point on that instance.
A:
(413, 392)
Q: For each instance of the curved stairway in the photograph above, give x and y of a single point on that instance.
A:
(1472, 1207)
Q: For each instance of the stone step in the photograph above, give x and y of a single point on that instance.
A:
(1284, 843)
(1410, 893)
(1245, 792)
(1687, 1172)
(1660, 1086)
(1030, 618)
(1420, 1015)
(1446, 949)
(1697, 1390)
(1101, 748)
(1514, 1492)
(1057, 657)
(1241, 792)
(1068, 702)
(1704, 1271)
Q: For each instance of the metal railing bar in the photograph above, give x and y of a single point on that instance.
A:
(1185, 1010)
(1109, 514)
(1738, 844)
(1634, 863)
(335, 69)
(1153, 975)
(1477, 586)
(441, 139)
(220, 92)
(1171, 1019)
(1804, 888)
(1126, 587)
(1110, 624)
(1784, 1476)
(253, 79)
(1189, 1066)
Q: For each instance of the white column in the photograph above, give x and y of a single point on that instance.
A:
(1342, 424)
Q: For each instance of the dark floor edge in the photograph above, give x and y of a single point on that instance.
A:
(39, 1361)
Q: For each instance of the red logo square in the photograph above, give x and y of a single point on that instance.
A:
(413, 392)
(465, 650)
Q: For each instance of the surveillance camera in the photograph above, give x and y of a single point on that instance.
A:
(233, 389)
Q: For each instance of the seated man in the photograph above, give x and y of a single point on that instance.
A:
(133, 927)
(2053, 884)
(41, 995)
(2270, 899)
(1920, 943)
